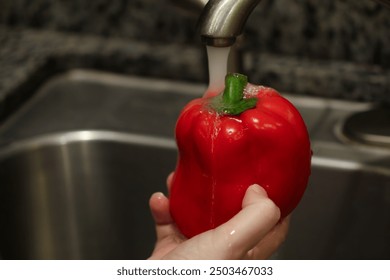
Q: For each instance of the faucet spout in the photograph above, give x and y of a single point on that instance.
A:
(223, 20)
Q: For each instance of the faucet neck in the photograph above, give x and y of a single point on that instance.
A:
(223, 20)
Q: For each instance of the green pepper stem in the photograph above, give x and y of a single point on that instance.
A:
(232, 101)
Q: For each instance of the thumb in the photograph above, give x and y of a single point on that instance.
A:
(258, 216)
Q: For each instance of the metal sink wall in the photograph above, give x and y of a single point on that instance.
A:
(81, 195)
(80, 160)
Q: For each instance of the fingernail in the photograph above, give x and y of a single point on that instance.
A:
(258, 189)
(158, 195)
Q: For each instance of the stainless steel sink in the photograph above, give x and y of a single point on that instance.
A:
(81, 195)
(80, 160)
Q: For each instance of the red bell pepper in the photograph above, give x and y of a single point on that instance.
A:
(247, 135)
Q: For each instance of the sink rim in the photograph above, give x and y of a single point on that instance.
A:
(68, 137)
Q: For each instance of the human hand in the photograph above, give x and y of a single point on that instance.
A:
(254, 233)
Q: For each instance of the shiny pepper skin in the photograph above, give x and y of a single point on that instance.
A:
(222, 153)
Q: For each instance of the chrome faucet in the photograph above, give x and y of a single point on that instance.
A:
(222, 21)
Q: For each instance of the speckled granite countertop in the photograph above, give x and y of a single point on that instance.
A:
(28, 57)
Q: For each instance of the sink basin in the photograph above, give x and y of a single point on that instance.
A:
(81, 195)
(79, 161)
